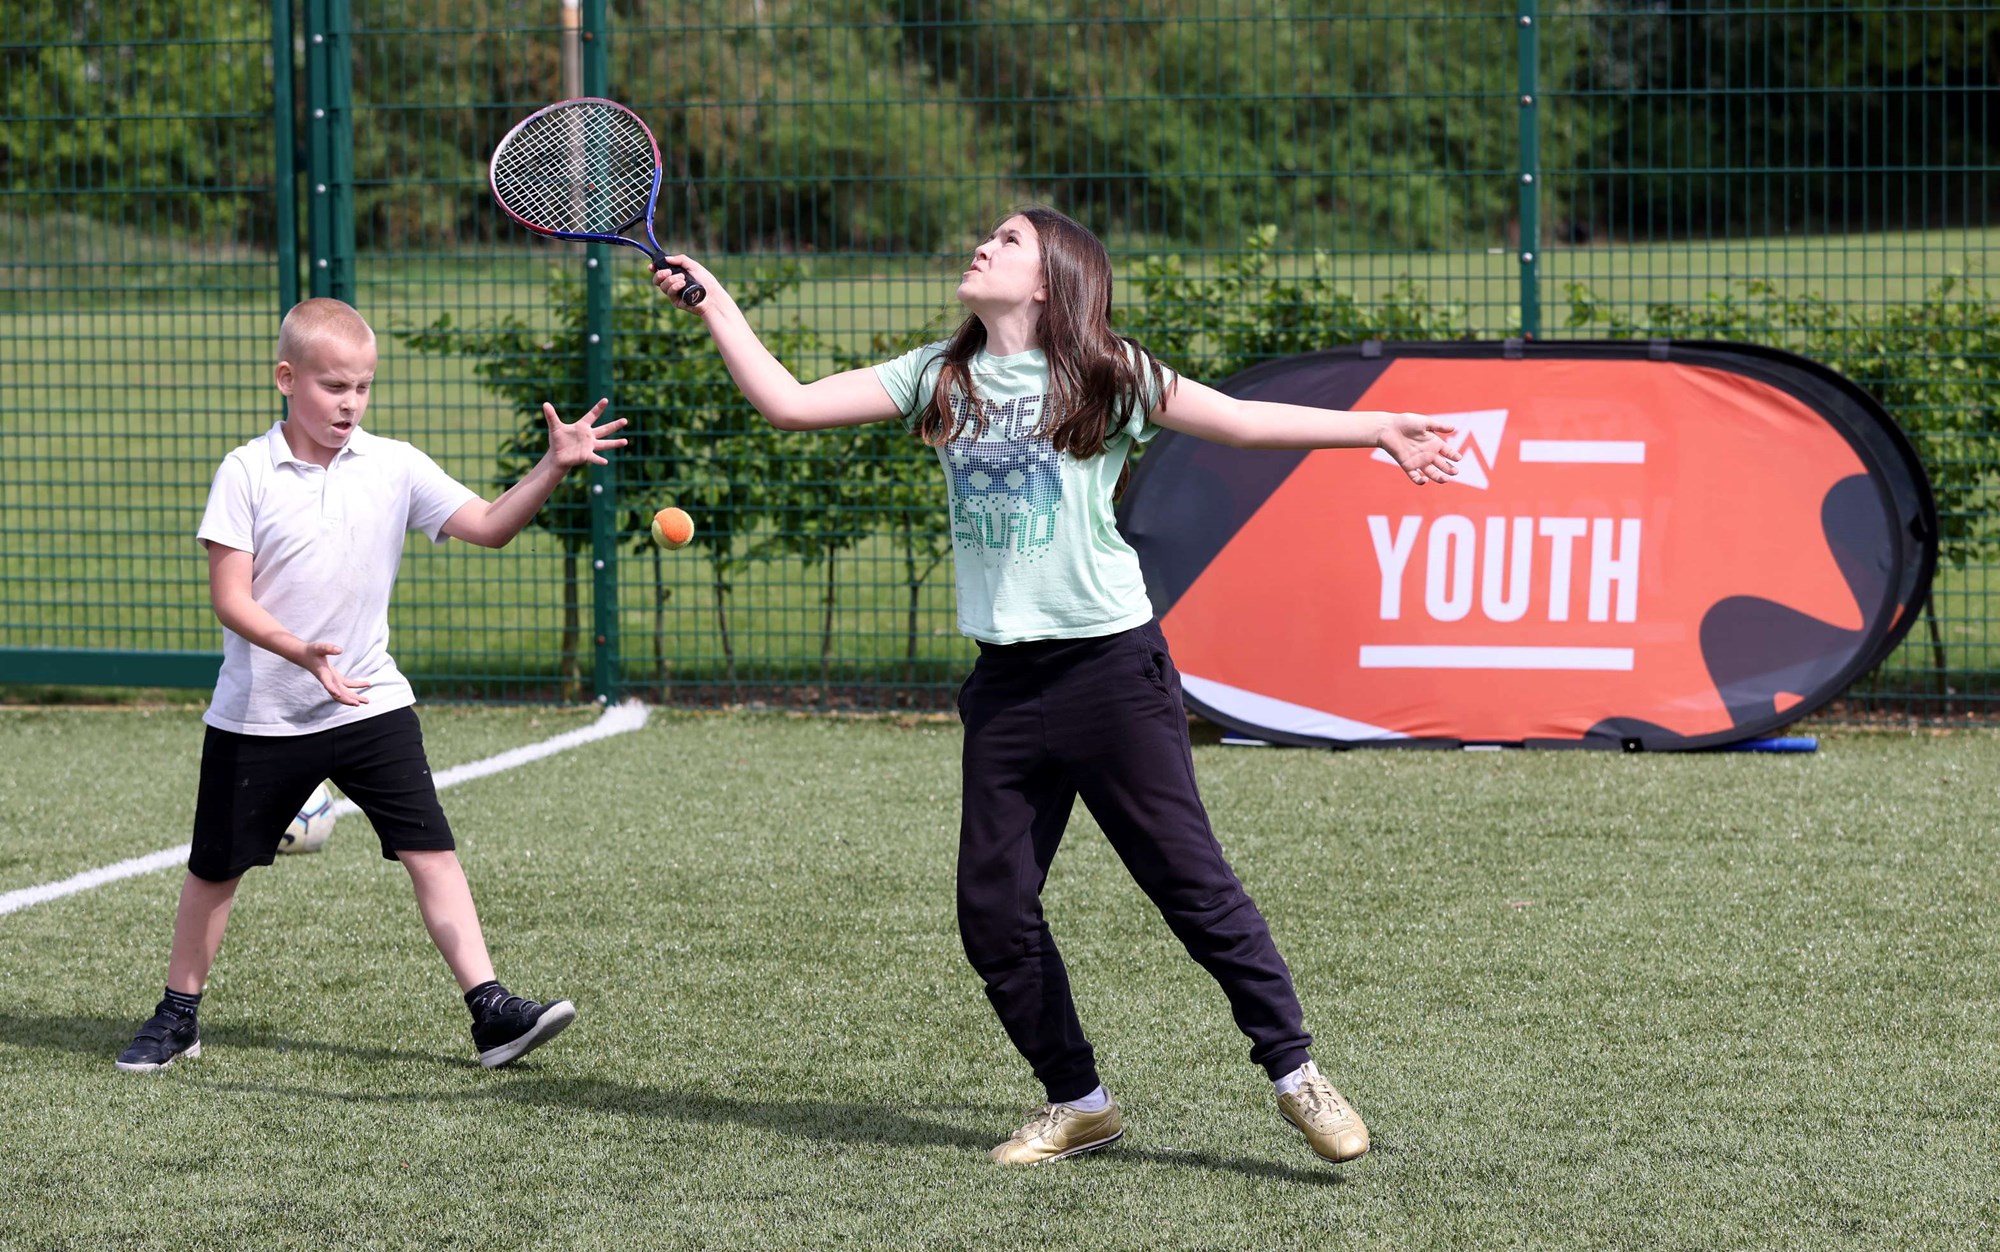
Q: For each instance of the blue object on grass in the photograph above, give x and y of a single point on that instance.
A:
(1779, 743)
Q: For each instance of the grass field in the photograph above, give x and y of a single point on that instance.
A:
(1584, 1000)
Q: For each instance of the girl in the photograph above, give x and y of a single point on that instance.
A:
(1033, 405)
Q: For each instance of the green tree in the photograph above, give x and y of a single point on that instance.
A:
(692, 438)
(822, 493)
(1183, 124)
(1211, 326)
(1774, 119)
(704, 448)
(169, 103)
(796, 125)
(906, 498)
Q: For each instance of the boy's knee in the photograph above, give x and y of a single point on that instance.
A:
(418, 860)
(200, 881)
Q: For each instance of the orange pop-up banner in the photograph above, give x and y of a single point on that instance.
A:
(1650, 546)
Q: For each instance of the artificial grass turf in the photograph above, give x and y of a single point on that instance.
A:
(1582, 999)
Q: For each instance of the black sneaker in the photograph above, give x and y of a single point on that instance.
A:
(165, 1038)
(510, 1026)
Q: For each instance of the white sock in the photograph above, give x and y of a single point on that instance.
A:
(1096, 1102)
(1290, 1082)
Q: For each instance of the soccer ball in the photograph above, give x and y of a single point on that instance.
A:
(310, 830)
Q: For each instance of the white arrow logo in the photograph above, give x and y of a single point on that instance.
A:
(1481, 428)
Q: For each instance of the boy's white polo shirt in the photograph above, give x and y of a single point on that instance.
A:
(324, 548)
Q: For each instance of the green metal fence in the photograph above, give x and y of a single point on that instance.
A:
(1818, 177)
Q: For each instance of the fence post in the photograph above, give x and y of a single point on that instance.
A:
(605, 675)
(330, 149)
(285, 174)
(1530, 173)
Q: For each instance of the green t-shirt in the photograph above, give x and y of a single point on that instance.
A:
(1036, 547)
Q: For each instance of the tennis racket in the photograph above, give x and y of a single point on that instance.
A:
(585, 169)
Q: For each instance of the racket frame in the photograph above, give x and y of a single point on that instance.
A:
(691, 294)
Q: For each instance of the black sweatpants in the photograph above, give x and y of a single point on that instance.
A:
(1046, 722)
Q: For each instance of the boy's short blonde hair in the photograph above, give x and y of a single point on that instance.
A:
(320, 320)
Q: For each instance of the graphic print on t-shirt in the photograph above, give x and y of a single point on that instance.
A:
(1006, 484)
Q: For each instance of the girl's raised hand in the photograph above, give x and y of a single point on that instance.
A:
(670, 282)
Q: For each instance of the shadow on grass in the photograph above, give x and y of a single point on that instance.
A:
(836, 1122)
(105, 1036)
(826, 1121)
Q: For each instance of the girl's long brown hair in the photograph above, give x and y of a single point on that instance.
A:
(1095, 374)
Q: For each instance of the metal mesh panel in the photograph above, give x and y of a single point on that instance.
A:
(1816, 178)
(436, 87)
(1819, 179)
(137, 308)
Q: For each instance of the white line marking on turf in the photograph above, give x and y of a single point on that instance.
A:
(21, 899)
(616, 720)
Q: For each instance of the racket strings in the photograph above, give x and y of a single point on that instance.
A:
(580, 169)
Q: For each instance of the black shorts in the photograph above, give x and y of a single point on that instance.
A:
(253, 785)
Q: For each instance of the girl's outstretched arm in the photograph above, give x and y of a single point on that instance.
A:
(849, 398)
(1415, 440)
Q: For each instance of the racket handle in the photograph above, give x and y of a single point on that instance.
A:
(692, 294)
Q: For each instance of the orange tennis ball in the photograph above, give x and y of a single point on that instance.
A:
(672, 528)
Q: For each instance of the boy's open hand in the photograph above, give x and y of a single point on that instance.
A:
(579, 442)
(319, 663)
(1418, 444)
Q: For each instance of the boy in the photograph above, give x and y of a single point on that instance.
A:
(304, 531)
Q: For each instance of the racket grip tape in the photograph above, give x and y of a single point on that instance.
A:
(692, 294)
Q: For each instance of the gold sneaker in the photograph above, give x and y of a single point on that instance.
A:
(1324, 1116)
(1056, 1131)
